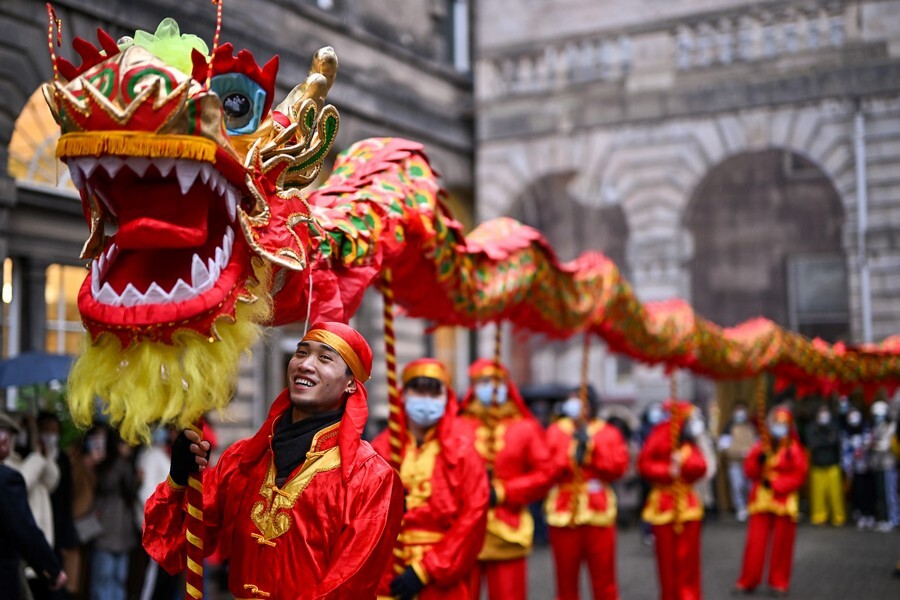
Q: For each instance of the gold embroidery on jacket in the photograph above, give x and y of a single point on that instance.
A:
(417, 469)
(272, 515)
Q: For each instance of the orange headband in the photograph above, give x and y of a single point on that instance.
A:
(490, 371)
(342, 347)
(430, 370)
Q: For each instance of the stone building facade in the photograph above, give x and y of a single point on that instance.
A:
(403, 72)
(742, 155)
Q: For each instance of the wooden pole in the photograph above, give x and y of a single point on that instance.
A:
(395, 434)
(194, 532)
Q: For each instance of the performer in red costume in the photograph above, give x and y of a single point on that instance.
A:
(446, 492)
(671, 461)
(304, 509)
(777, 476)
(513, 445)
(581, 509)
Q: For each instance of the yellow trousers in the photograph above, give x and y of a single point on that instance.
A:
(826, 495)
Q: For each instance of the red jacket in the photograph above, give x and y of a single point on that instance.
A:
(446, 506)
(522, 474)
(785, 472)
(327, 533)
(582, 495)
(670, 500)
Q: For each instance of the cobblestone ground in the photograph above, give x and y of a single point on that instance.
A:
(829, 564)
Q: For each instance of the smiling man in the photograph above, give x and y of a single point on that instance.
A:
(303, 509)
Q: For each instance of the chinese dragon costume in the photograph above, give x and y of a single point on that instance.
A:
(201, 231)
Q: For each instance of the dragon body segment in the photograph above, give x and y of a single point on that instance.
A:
(200, 232)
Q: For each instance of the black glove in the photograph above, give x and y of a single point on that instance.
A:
(493, 500)
(767, 484)
(762, 458)
(406, 585)
(581, 435)
(685, 436)
(183, 461)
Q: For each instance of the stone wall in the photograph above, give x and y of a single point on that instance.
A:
(636, 110)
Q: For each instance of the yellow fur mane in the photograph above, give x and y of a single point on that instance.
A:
(150, 382)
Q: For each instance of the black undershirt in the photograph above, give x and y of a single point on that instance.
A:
(292, 441)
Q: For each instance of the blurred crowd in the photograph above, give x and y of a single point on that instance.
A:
(87, 496)
(853, 450)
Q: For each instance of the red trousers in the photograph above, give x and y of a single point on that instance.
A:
(760, 529)
(678, 561)
(574, 545)
(506, 579)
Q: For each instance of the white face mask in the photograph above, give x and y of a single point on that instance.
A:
(50, 440)
(655, 415)
(485, 392)
(824, 418)
(778, 430)
(571, 408)
(740, 416)
(695, 428)
(854, 419)
(424, 411)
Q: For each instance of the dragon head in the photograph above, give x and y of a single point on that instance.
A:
(190, 184)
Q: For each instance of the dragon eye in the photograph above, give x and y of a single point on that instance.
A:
(237, 109)
(242, 102)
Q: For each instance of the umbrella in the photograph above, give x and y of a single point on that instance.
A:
(34, 367)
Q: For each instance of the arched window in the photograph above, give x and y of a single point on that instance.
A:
(32, 150)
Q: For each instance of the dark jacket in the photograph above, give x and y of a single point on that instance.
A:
(824, 445)
(20, 537)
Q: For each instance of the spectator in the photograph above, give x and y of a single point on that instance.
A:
(856, 450)
(85, 457)
(64, 537)
(153, 468)
(884, 466)
(117, 486)
(826, 484)
(737, 438)
(20, 537)
(38, 467)
(703, 486)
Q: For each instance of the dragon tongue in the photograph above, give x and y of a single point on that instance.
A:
(147, 233)
(167, 222)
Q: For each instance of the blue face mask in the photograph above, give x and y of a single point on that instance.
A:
(778, 430)
(485, 393)
(571, 408)
(655, 415)
(424, 411)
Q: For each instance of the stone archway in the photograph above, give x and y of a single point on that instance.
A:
(571, 227)
(766, 229)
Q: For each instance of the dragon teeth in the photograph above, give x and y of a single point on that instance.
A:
(187, 171)
(77, 177)
(112, 164)
(138, 165)
(181, 291)
(199, 273)
(155, 295)
(206, 171)
(231, 202)
(131, 296)
(164, 165)
(107, 295)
